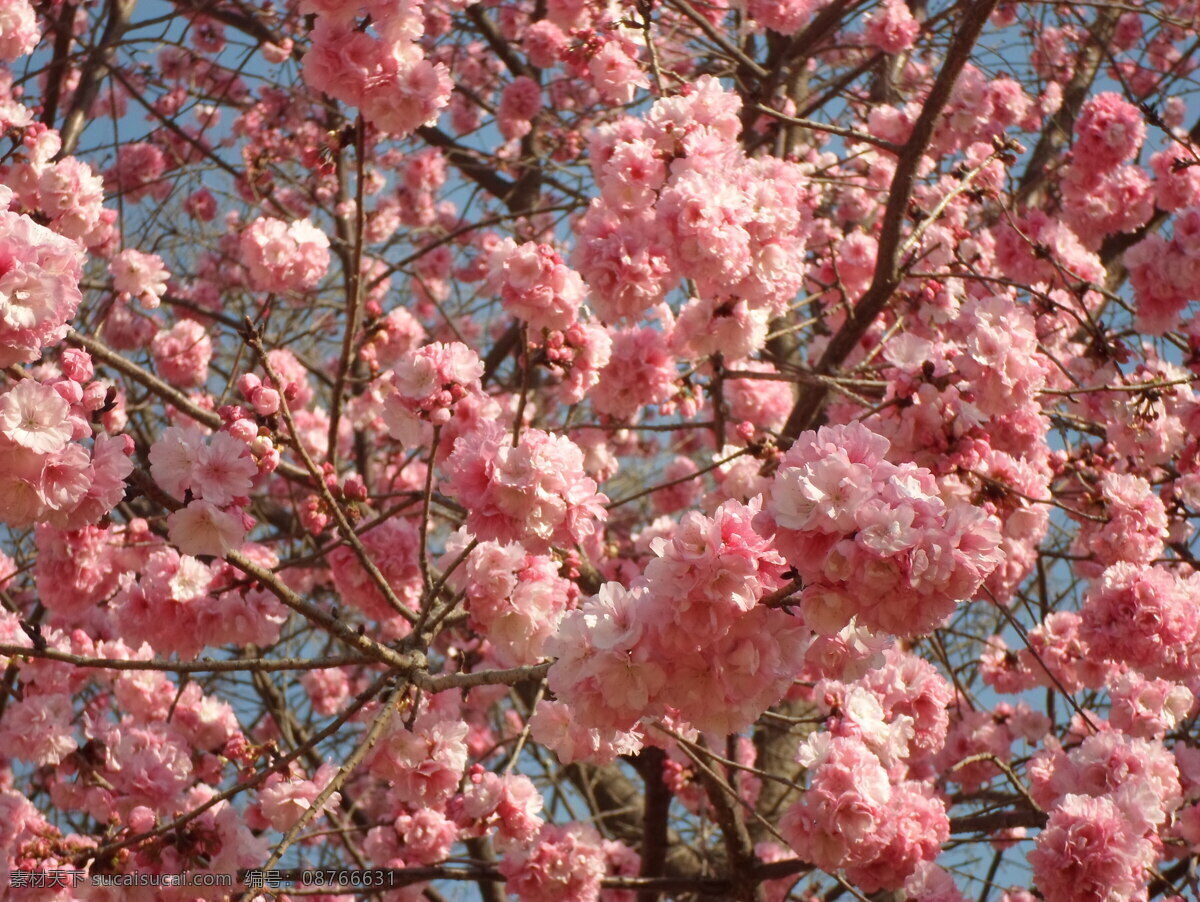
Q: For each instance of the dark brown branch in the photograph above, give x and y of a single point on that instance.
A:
(94, 71)
(57, 70)
(654, 823)
(997, 820)
(204, 665)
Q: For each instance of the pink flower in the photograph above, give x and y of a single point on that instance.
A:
(1141, 776)
(1108, 132)
(424, 763)
(708, 574)
(38, 729)
(396, 334)
(218, 470)
(182, 353)
(623, 258)
(1176, 182)
(428, 383)
(1089, 851)
(536, 493)
(19, 31)
(615, 75)
(173, 458)
(604, 667)
(509, 802)
(891, 27)
(283, 257)
(393, 546)
(641, 371)
(39, 286)
(535, 285)
(519, 103)
(515, 599)
(223, 470)
(555, 726)
(73, 196)
(543, 43)
(564, 864)
(919, 826)
(872, 539)
(327, 688)
(425, 837)
(284, 801)
(408, 93)
(1148, 709)
(35, 416)
(843, 819)
(1146, 618)
(203, 528)
(1136, 527)
(785, 17)
(141, 275)
(340, 61)
(139, 172)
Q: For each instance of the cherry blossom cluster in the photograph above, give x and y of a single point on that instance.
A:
(39, 287)
(516, 599)
(283, 257)
(62, 189)
(395, 545)
(852, 816)
(47, 471)
(1106, 797)
(689, 630)
(533, 490)
(214, 476)
(762, 431)
(680, 200)
(873, 540)
(141, 276)
(386, 76)
(428, 383)
(536, 286)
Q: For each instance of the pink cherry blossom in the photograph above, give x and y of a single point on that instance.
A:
(534, 492)
(562, 863)
(203, 528)
(283, 257)
(35, 417)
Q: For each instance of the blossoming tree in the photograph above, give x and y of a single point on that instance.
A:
(640, 450)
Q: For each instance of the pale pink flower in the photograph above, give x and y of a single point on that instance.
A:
(203, 528)
(223, 470)
(39, 286)
(141, 275)
(424, 763)
(1145, 617)
(1088, 850)
(182, 353)
(173, 458)
(615, 74)
(39, 728)
(35, 416)
(19, 32)
(891, 27)
(1108, 132)
(535, 284)
(428, 383)
(536, 492)
(563, 864)
(519, 103)
(283, 802)
(284, 257)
